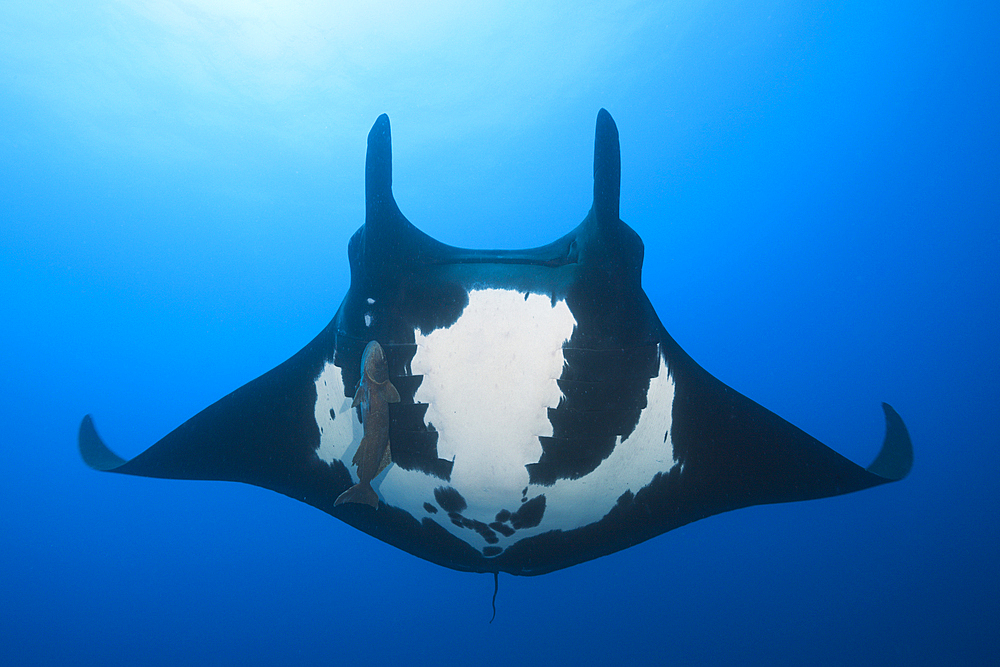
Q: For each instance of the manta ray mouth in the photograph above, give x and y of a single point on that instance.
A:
(563, 255)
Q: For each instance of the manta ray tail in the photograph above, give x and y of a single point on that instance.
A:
(496, 587)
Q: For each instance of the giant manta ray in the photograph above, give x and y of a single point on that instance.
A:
(545, 417)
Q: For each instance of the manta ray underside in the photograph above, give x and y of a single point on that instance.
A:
(546, 417)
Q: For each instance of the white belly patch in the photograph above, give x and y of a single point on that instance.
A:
(488, 381)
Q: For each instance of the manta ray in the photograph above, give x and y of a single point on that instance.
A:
(540, 414)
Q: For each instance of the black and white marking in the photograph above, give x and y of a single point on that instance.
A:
(490, 380)
(546, 417)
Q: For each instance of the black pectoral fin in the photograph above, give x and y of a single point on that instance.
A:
(737, 453)
(265, 433)
(895, 459)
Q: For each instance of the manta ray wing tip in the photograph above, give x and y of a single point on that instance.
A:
(93, 450)
(895, 459)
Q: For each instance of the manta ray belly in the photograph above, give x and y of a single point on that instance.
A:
(489, 381)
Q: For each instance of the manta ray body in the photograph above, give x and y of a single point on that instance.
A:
(545, 415)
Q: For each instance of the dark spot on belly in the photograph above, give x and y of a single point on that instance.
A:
(501, 528)
(530, 514)
(449, 499)
(491, 551)
(484, 531)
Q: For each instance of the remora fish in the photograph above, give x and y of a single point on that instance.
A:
(375, 393)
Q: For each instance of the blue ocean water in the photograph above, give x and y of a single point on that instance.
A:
(817, 186)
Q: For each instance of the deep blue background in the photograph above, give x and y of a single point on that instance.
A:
(818, 189)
